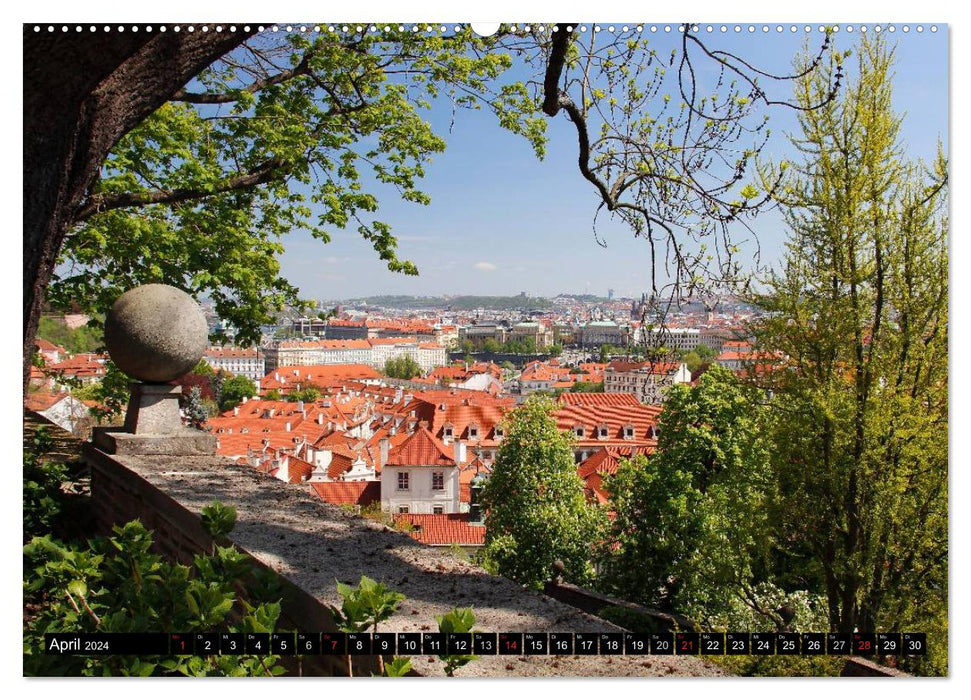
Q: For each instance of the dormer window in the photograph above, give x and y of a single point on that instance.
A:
(602, 432)
(578, 431)
(499, 432)
(473, 432)
(447, 432)
(628, 432)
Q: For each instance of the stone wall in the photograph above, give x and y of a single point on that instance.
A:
(312, 545)
(120, 495)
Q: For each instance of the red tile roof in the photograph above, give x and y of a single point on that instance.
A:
(326, 344)
(41, 401)
(616, 417)
(445, 528)
(598, 399)
(318, 375)
(361, 493)
(298, 469)
(421, 448)
(231, 352)
(604, 462)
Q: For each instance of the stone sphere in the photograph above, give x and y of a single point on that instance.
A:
(156, 333)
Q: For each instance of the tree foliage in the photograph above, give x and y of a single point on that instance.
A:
(692, 532)
(402, 367)
(536, 510)
(860, 312)
(115, 584)
(289, 131)
(234, 390)
(86, 338)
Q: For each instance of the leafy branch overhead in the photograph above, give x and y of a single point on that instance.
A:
(290, 131)
(670, 151)
(286, 132)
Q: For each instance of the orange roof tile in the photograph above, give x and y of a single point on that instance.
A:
(299, 470)
(421, 448)
(598, 399)
(445, 528)
(41, 401)
(360, 493)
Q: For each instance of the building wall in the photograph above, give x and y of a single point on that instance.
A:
(419, 498)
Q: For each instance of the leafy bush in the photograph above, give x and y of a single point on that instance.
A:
(43, 498)
(363, 607)
(457, 621)
(116, 584)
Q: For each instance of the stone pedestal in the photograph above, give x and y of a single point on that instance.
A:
(153, 426)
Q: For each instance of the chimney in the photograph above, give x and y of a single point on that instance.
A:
(236, 408)
(276, 375)
(320, 419)
(288, 426)
(244, 399)
(299, 405)
(459, 452)
(383, 445)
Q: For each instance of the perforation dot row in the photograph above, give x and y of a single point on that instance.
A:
(358, 29)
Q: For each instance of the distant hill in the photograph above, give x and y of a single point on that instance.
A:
(460, 303)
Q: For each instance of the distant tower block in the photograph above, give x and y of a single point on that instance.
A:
(155, 333)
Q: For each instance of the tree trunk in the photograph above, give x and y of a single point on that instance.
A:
(83, 92)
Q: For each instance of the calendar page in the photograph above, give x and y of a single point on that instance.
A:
(486, 350)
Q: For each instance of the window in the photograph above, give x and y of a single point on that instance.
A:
(438, 481)
(603, 432)
(498, 432)
(438, 510)
(402, 509)
(448, 431)
(473, 432)
(579, 431)
(403, 479)
(629, 432)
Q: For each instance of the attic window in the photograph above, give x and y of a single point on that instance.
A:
(448, 431)
(629, 432)
(473, 432)
(578, 431)
(603, 432)
(498, 432)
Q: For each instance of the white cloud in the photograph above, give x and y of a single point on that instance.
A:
(334, 260)
(486, 266)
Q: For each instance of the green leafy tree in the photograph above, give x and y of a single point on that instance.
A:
(285, 133)
(232, 138)
(403, 367)
(195, 411)
(308, 394)
(692, 532)
(86, 338)
(111, 392)
(588, 387)
(491, 345)
(859, 310)
(536, 510)
(117, 584)
(234, 390)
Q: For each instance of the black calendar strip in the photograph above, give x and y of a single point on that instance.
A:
(490, 643)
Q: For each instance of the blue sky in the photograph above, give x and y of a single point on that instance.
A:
(501, 221)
